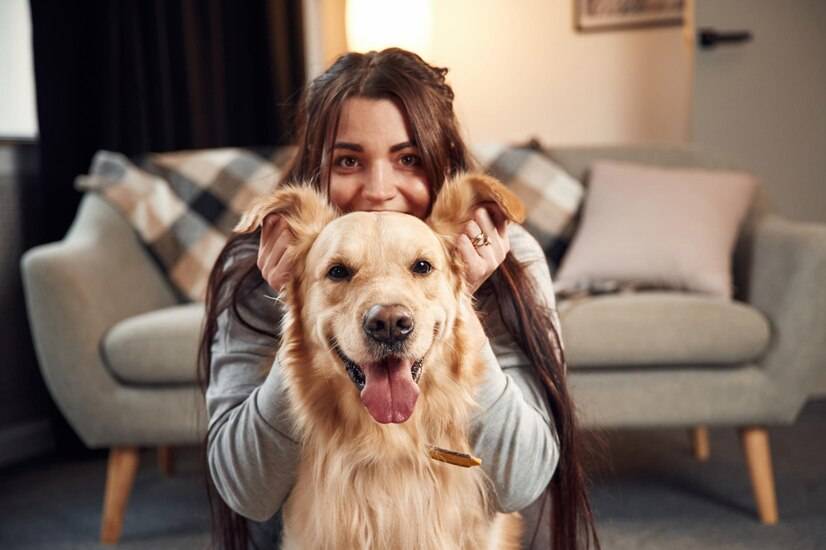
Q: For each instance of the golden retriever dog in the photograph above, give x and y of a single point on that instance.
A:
(380, 366)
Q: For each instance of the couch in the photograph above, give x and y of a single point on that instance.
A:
(117, 347)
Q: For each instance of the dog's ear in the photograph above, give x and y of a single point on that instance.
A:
(461, 195)
(304, 209)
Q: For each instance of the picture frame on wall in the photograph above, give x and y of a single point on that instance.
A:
(609, 15)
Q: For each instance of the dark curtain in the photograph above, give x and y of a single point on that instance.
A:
(136, 76)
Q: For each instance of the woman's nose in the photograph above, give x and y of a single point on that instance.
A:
(379, 186)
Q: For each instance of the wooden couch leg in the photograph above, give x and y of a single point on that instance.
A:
(166, 460)
(755, 442)
(700, 443)
(120, 476)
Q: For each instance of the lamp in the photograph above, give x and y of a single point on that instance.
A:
(379, 24)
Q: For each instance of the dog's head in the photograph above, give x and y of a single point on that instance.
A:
(379, 296)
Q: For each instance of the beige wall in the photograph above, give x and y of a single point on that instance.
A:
(520, 70)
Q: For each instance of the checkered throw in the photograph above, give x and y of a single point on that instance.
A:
(552, 197)
(184, 205)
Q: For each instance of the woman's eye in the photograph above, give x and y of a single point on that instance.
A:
(339, 273)
(411, 160)
(422, 267)
(347, 162)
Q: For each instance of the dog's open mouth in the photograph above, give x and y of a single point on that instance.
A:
(389, 387)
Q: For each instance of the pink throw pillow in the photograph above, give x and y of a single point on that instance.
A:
(662, 227)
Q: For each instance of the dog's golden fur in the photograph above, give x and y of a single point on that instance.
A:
(361, 483)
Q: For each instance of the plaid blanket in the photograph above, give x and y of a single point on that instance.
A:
(183, 205)
(551, 196)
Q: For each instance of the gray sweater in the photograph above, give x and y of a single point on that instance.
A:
(253, 451)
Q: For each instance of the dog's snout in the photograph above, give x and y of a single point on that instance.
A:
(388, 324)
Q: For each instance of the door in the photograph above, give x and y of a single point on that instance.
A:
(762, 102)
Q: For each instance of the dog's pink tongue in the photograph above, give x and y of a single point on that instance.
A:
(390, 392)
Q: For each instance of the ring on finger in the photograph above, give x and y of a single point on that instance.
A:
(480, 240)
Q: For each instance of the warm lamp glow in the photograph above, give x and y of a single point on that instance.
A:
(379, 24)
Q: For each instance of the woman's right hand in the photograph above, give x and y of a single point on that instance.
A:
(275, 238)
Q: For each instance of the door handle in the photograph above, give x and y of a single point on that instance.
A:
(710, 38)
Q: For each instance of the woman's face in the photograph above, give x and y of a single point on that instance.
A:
(376, 166)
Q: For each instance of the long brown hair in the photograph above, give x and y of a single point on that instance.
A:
(426, 100)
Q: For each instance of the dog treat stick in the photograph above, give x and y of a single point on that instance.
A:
(453, 457)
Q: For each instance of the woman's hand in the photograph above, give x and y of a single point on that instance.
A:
(484, 244)
(275, 238)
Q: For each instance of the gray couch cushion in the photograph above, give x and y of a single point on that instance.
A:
(661, 328)
(158, 347)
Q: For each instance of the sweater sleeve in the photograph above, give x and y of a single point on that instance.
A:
(252, 450)
(513, 432)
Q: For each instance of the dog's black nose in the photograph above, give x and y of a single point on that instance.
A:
(388, 324)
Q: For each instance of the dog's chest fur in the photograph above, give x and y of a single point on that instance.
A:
(339, 502)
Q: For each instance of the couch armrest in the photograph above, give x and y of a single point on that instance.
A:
(787, 282)
(76, 289)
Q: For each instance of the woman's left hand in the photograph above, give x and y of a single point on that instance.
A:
(483, 244)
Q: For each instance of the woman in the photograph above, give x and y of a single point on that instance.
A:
(377, 132)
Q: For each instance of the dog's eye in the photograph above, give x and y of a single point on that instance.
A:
(422, 267)
(339, 273)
